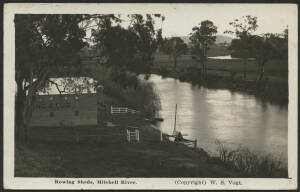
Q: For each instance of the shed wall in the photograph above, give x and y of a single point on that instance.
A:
(65, 110)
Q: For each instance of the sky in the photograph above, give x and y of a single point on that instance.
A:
(180, 21)
(181, 18)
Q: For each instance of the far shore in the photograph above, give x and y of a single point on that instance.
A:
(228, 74)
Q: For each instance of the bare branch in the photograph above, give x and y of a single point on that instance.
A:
(57, 87)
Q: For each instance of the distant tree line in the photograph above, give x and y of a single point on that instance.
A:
(260, 47)
(174, 47)
(202, 37)
(245, 45)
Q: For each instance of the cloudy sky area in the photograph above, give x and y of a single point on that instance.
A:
(180, 21)
(181, 18)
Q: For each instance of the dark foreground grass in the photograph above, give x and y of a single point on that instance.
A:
(114, 157)
(110, 155)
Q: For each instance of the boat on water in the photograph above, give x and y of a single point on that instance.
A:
(178, 136)
(154, 120)
(158, 119)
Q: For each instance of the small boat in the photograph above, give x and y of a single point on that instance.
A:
(175, 132)
(178, 136)
(154, 120)
(158, 119)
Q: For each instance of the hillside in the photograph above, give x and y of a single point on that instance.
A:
(220, 39)
(217, 49)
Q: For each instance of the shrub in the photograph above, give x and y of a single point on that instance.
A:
(131, 92)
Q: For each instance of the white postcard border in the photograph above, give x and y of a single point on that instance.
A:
(11, 182)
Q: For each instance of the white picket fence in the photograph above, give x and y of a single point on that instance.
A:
(114, 110)
(133, 135)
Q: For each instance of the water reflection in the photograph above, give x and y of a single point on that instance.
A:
(235, 119)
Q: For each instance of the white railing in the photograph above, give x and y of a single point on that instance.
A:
(133, 135)
(122, 110)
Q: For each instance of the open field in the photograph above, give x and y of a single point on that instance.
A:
(274, 68)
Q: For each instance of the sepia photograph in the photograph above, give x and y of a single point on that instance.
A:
(101, 96)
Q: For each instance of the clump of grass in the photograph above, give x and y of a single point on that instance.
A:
(30, 164)
(249, 163)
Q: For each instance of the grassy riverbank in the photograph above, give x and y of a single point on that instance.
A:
(228, 74)
(104, 152)
(112, 156)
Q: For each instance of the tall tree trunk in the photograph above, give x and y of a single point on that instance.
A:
(25, 101)
(203, 70)
(245, 68)
(28, 108)
(19, 108)
(204, 63)
(262, 71)
(175, 62)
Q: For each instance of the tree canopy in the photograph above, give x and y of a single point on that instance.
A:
(174, 47)
(202, 37)
(243, 29)
(43, 44)
(129, 47)
(261, 47)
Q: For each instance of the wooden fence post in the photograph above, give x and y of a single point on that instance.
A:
(137, 135)
(128, 135)
(161, 136)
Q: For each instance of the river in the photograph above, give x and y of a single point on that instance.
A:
(235, 119)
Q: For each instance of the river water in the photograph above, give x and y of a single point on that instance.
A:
(235, 119)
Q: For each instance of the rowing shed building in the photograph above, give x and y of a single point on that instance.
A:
(70, 101)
